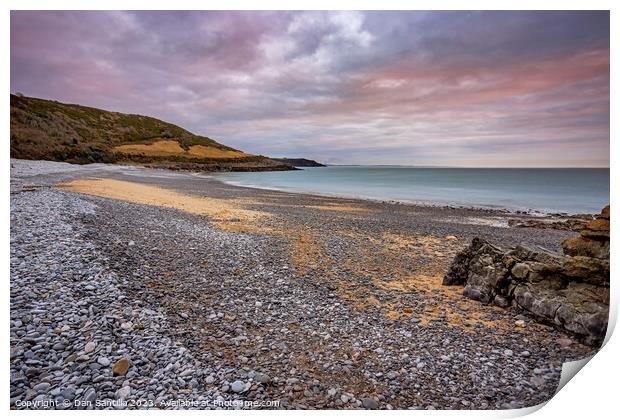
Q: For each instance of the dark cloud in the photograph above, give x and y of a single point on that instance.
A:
(466, 88)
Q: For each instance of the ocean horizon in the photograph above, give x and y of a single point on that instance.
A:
(544, 190)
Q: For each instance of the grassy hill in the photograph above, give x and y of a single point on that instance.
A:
(50, 130)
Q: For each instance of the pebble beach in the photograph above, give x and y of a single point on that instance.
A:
(137, 288)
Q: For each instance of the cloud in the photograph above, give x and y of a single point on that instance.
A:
(462, 88)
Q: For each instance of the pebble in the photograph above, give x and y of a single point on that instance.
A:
(565, 342)
(123, 393)
(370, 403)
(237, 386)
(120, 367)
(86, 301)
(41, 387)
(262, 378)
(103, 361)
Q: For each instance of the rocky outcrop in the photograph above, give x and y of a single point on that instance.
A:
(299, 162)
(572, 224)
(570, 291)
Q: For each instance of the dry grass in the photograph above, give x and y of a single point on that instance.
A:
(305, 252)
(214, 152)
(226, 214)
(159, 148)
(172, 148)
(393, 257)
(400, 243)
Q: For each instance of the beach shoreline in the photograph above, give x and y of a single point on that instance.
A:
(216, 291)
(542, 192)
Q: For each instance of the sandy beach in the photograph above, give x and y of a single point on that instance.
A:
(214, 292)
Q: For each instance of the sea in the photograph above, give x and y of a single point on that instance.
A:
(548, 190)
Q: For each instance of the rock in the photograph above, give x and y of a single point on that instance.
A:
(103, 361)
(459, 269)
(501, 301)
(565, 342)
(590, 270)
(570, 224)
(570, 292)
(520, 271)
(262, 378)
(508, 353)
(597, 229)
(89, 347)
(186, 372)
(237, 387)
(41, 387)
(210, 379)
(90, 395)
(127, 326)
(582, 246)
(120, 367)
(123, 393)
(370, 403)
(481, 268)
(605, 212)
(71, 358)
(451, 238)
(131, 243)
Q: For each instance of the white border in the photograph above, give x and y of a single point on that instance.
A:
(592, 395)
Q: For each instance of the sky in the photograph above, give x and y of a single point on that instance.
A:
(476, 89)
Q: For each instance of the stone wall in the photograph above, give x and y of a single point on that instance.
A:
(569, 291)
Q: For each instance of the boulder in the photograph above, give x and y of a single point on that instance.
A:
(459, 270)
(587, 269)
(520, 271)
(605, 212)
(597, 229)
(568, 291)
(586, 247)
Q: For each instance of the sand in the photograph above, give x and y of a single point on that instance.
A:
(226, 214)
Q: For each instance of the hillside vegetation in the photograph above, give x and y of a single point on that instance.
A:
(50, 130)
(300, 162)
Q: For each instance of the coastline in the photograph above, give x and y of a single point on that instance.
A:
(312, 186)
(317, 302)
(415, 203)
